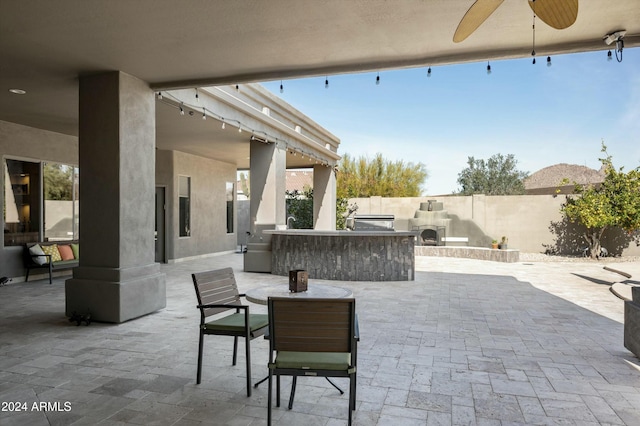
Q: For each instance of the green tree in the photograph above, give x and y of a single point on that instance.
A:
(496, 176)
(58, 182)
(364, 177)
(300, 206)
(614, 203)
(244, 185)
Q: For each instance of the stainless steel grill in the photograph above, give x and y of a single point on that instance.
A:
(373, 222)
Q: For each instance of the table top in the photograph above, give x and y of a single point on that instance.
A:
(261, 294)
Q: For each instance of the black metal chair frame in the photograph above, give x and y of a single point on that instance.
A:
(220, 286)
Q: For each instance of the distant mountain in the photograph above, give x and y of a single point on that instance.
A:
(547, 180)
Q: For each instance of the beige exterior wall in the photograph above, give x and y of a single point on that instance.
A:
(524, 219)
(208, 203)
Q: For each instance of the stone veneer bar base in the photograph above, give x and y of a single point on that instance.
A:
(344, 255)
(479, 253)
(632, 322)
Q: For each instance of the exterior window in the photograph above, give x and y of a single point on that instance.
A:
(229, 193)
(60, 202)
(22, 202)
(184, 202)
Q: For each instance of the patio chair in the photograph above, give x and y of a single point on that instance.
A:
(312, 337)
(217, 293)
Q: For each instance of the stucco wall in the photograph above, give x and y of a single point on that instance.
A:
(27, 143)
(208, 206)
(524, 219)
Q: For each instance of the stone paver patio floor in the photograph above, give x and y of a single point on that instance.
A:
(467, 343)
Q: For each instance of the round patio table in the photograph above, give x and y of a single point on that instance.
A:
(320, 291)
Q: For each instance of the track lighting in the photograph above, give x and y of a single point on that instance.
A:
(429, 72)
(378, 79)
(548, 61)
(615, 37)
(281, 87)
(488, 68)
(326, 82)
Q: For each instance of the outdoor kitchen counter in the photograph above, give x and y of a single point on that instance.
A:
(344, 255)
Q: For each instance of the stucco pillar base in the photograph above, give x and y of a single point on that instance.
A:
(115, 295)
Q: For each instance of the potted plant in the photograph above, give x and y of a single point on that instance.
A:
(503, 243)
(494, 244)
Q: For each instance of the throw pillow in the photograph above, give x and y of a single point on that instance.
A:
(52, 249)
(40, 259)
(76, 251)
(65, 252)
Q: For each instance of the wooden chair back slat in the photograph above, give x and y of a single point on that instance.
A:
(312, 325)
(216, 287)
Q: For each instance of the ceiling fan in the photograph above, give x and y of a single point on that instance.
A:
(559, 14)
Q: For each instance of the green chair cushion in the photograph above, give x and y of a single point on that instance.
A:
(313, 360)
(235, 322)
(61, 264)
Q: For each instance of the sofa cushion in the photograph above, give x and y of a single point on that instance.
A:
(75, 247)
(65, 252)
(40, 259)
(64, 264)
(52, 249)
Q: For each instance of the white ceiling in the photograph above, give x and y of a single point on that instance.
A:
(45, 45)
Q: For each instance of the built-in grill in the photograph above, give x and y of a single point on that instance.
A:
(373, 222)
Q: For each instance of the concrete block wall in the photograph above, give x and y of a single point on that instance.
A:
(524, 219)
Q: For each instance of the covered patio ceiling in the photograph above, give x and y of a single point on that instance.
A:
(45, 45)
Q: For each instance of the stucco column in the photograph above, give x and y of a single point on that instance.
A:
(268, 186)
(324, 198)
(118, 278)
(267, 206)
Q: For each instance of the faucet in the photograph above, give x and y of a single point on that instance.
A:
(289, 219)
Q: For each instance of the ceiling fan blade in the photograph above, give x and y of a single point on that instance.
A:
(475, 16)
(556, 14)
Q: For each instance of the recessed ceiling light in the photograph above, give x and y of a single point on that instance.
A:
(18, 91)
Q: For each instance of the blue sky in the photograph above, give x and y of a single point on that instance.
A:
(542, 115)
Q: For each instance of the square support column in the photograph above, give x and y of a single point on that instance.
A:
(267, 206)
(324, 198)
(117, 279)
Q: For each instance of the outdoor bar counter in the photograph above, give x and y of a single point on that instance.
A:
(344, 255)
